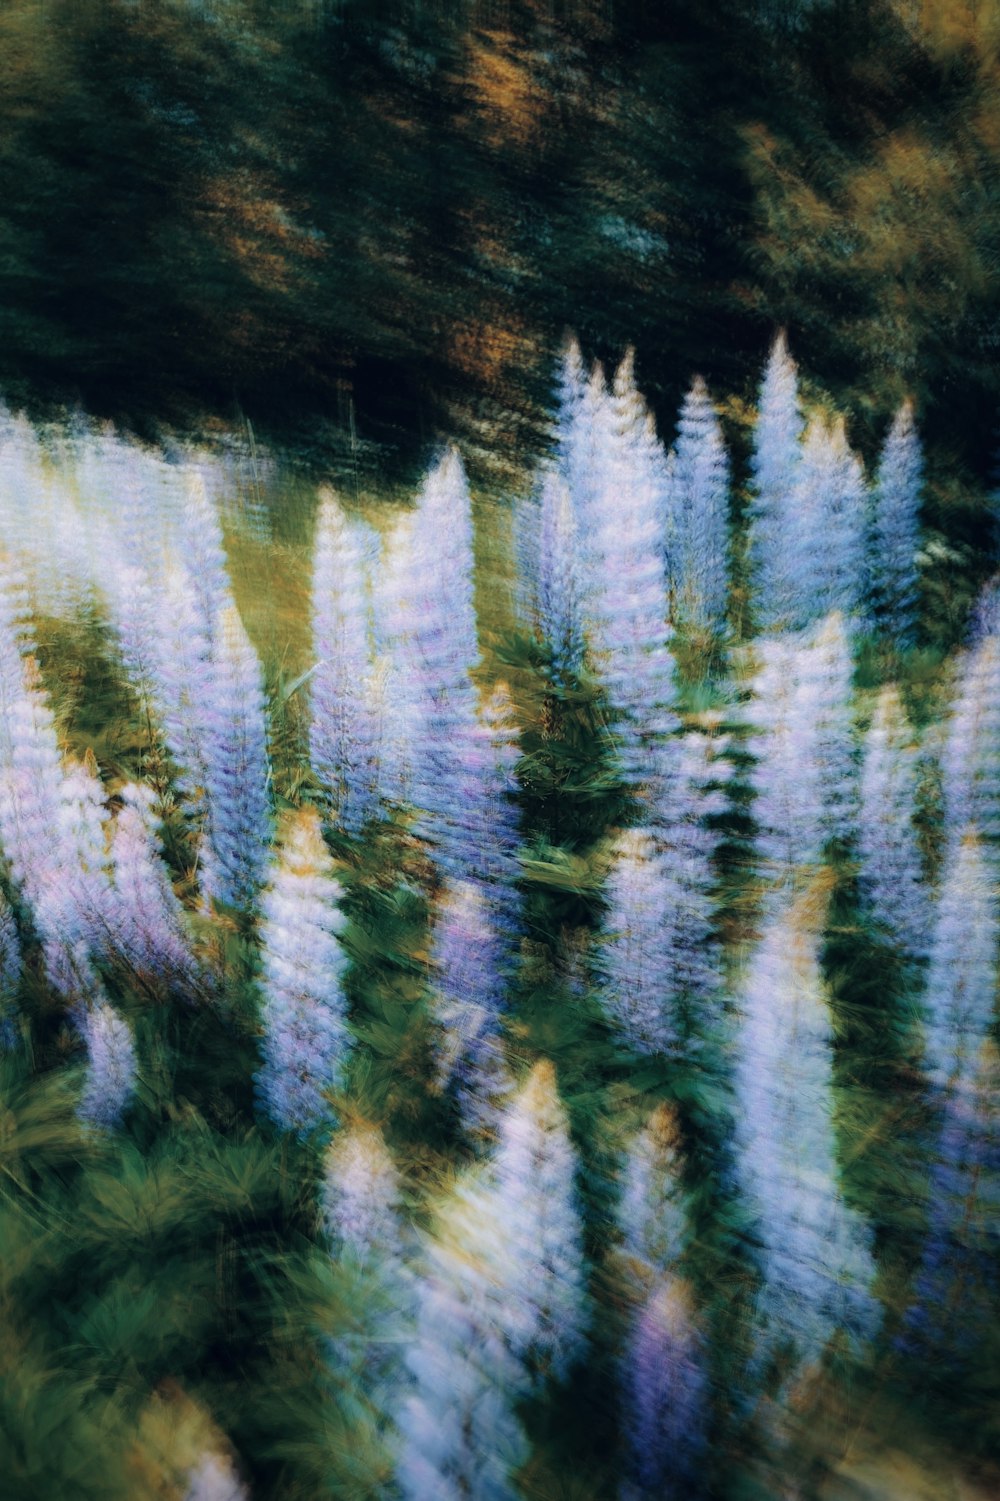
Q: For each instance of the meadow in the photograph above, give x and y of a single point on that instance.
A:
(498, 983)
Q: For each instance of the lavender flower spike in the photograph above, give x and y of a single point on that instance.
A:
(468, 977)
(639, 982)
(890, 874)
(431, 627)
(460, 1438)
(970, 764)
(500, 1308)
(149, 921)
(775, 464)
(559, 586)
(961, 980)
(204, 552)
(111, 1068)
(540, 1251)
(698, 508)
(816, 1254)
(343, 742)
(788, 806)
(236, 770)
(10, 971)
(955, 1287)
(361, 1194)
(806, 774)
(306, 1039)
(625, 583)
(895, 530)
(834, 497)
(666, 1399)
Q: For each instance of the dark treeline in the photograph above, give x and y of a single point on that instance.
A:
(383, 216)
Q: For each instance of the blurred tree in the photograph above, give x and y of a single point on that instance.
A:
(385, 215)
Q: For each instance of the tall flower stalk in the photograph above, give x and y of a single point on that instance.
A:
(815, 1255)
(894, 537)
(890, 876)
(306, 1039)
(344, 732)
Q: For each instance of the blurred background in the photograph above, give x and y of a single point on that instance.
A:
(362, 224)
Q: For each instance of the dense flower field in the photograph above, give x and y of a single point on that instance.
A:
(554, 1058)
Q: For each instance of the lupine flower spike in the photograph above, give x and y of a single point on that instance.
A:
(343, 742)
(816, 1257)
(775, 469)
(698, 515)
(236, 772)
(895, 530)
(890, 876)
(306, 1040)
(111, 1065)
